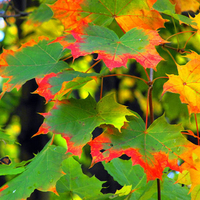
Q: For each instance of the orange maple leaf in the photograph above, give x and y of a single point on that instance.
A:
(187, 83)
(69, 13)
(191, 176)
(128, 14)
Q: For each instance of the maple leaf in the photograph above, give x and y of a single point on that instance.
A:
(76, 119)
(187, 83)
(191, 176)
(127, 13)
(154, 149)
(37, 18)
(22, 65)
(185, 5)
(196, 19)
(124, 173)
(6, 138)
(11, 169)
(45, 170)
(74, 182)
(137, 44)
(168, 8)
(54, 86)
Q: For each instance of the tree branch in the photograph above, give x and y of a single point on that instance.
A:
(18, 12)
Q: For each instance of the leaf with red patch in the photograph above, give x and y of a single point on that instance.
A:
(22, 65)
(154, 149)
(76, 119)
(127, 13)
(137, 44)
(54, 86)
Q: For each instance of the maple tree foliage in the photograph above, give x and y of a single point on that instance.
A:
(120, 33)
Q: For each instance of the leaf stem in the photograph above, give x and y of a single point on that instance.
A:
(158, 189)
(52, 139)
(179, 33)
(175, 31)
(151, 104)
(170, 53)
(101, 92)
(160, 78)
(93, 66)
(67, 58)
(189, 39)
(147, 111)
(147, 74)
(150, 101)
(195, 116)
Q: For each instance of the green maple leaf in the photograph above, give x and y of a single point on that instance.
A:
(77, 183)
(76, 119)
(41, 14)
(42, 174)
(10, 169)
(6, 138)
(22, 65)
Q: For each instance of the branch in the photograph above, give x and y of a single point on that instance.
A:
(18, 12)
(22, 14)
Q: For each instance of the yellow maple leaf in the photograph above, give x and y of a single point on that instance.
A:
(185, 5)
(187, 83)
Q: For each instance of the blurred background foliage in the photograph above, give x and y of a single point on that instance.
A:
(19, 118)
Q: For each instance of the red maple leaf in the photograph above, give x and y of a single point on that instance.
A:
(154, 149)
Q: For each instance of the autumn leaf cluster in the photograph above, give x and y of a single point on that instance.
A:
(88, 30)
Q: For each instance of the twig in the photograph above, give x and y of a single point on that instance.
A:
(18, 13)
